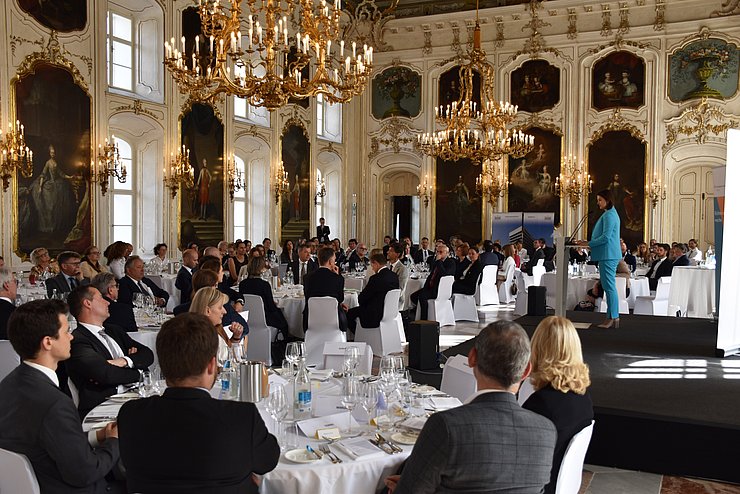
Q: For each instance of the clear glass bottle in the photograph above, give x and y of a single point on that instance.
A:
(229, 380)
(302, 401)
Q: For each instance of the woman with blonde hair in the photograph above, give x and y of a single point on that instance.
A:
(561, 380)
(42, 264)
(210, 302)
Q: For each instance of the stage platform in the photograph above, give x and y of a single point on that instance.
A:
(663, 402)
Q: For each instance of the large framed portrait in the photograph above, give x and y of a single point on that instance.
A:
(616, 162)
(449, 87)
(458, 208)
(532, 177)
(202, 206)
(396, 93)
(53, 206)
(705, 68)
(618, 80)
(535, 86)
(296, 204)
(60, 15)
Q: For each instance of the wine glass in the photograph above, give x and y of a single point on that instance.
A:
(370, 395)
(351, 396)
(386, 369)
(138, 300)
(277, 407)
(351, 359)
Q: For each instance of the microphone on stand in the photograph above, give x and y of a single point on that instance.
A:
(569, 240)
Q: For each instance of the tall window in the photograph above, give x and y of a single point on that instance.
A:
(120, 51)
(328, 119)
(240, 203)
(254, 114)
(124, 197)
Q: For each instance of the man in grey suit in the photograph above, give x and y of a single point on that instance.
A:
(395, 252)
(490, 443)
(38, 420)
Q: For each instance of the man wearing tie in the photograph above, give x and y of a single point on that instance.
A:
(372, 297)
(423, 253)
(69, 278)
(303, 265)
(443, 266)
(135, 282)
(322, 231)
(103, 358)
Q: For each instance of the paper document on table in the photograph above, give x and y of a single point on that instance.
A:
(443, 403)
(340, 420)
(357, 447)
(415, 423)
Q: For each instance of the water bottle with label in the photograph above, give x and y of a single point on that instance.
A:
(229, 382)
(302, 403)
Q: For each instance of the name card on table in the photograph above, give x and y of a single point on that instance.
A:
(333, 348)
(338, 420)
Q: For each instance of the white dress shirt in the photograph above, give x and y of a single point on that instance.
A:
(109, 343)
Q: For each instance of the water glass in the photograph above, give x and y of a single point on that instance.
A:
(351, 359)
(386, 369)
(145, 384)
(288, 369)
(277, 407)
(370, 395)
(351, 396)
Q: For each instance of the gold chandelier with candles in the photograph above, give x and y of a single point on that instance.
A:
(573, 181)
(655, 191)
(180, 172)
(234, 181)
(16, 155)
(492, 182)
(281, 185)
(476, 126)
(108, 165)
(290, 49)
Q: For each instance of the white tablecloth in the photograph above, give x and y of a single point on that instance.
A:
(167, 283)
(692, 290)
(354, 283)
(292, 307)
(148, 338)
(412, 285)
(639, 287)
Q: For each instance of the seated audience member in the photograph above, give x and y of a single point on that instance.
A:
(288, 255)
(90, 265)
(224, 284)
(447, 459)
(442, 266)
(38, 420)
(339, 258)
(69, 277)
(488, 257)
(303, 265)
(42, 264)
(424, 253)
(396, 264)
(372, 296)
(467, 281)
(255, 285)
(103, 358)
(206, 276)
(209, 301)
(184, 280)
(627, 256)
(158, 461)
(520, 250)
(461, 259)
(406, 259)
(662, 266)
(326, 282)
(578, 254)
(509, 262)
(160, 261)
(120, 314)
(561, 381)
(8, 292)
(498, 250)
(136, 282)
(116, 254)
(679, 256)
(694, 254)
(238, 260)
(359, 260)
(539, 253)
(643, 254)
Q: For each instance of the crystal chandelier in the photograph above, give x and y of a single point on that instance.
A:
(491, 182)
(281, 185)
(180, 173)
(108, 165)
(290, 49)
(233, 178)
(655, 191)
(16, 155)
(476, 126)
(573, 181)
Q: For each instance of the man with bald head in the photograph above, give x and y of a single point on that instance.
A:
(184, 281)
(442, 266)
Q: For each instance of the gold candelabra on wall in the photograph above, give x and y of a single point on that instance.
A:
(655, 191)
(491, 182)
(233, 178)
(108, 165)
(281, 185)
(424, 191)
(573, 181)
(15, 154)
(180, 173)
(320, 190)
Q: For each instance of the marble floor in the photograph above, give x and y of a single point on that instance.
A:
(596, 479)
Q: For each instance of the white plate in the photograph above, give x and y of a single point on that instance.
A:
(404, 438)
(300, 456)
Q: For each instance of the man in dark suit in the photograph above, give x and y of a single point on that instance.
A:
(452, 461)
(627, 256)
(322, 231)
(8, 292)
(303, 265)
(103, 358)
(269, 252)
(136, 282)
(358, 260)
(679, 257)
(662, 266)
(467, 281)
(372, 296)
(424, 253)
(159, 461)
(326, 282)
(69, 278)
(442, 266)
(488, 257)
(184, 280)
(539, 253)
(38, 420)
(121, 315)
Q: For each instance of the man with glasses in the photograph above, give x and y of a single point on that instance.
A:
(70, 276)
(120, 314)
(358, 258)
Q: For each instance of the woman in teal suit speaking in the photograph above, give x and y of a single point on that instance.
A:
(605, 248)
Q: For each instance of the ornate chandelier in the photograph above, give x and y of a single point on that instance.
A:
(281, 185)
(234, 180)
(655, 191)
(108, 165)
(16, 155)
(476, 126)
(180, 173)
(289, 50)
(320, 190)
(491, 182)
(573, 181)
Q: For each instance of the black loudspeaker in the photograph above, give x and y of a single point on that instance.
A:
(423, 339)
(536, 305)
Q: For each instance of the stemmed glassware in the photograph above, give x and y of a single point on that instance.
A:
(369, 402)
(351, 360)
(351, 396)
(277, 407)
(387, 369)
(295, 352)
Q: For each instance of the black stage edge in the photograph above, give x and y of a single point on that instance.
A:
(663, 402)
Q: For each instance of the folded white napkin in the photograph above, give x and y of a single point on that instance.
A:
(357, 447)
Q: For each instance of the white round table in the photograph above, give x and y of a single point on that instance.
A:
(692, 290)
(167, 283)
(292, 304)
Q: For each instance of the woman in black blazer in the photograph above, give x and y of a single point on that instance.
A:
(560, 379)
(255, 285)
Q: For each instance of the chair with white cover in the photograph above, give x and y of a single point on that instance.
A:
(16, 474)
(525, 391)
(323, 326)
(334, 356)
(9, 360)
(261, 335)
(570, 474)
(537, 272)
(72, 391)
(520, 308)
(549, 281)
(657, 305)
(385, 338)
(440, 308)
(589, 269)
(504, 291)
(624, 307)
(487, 292)
(458, 379)
(463, 306)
